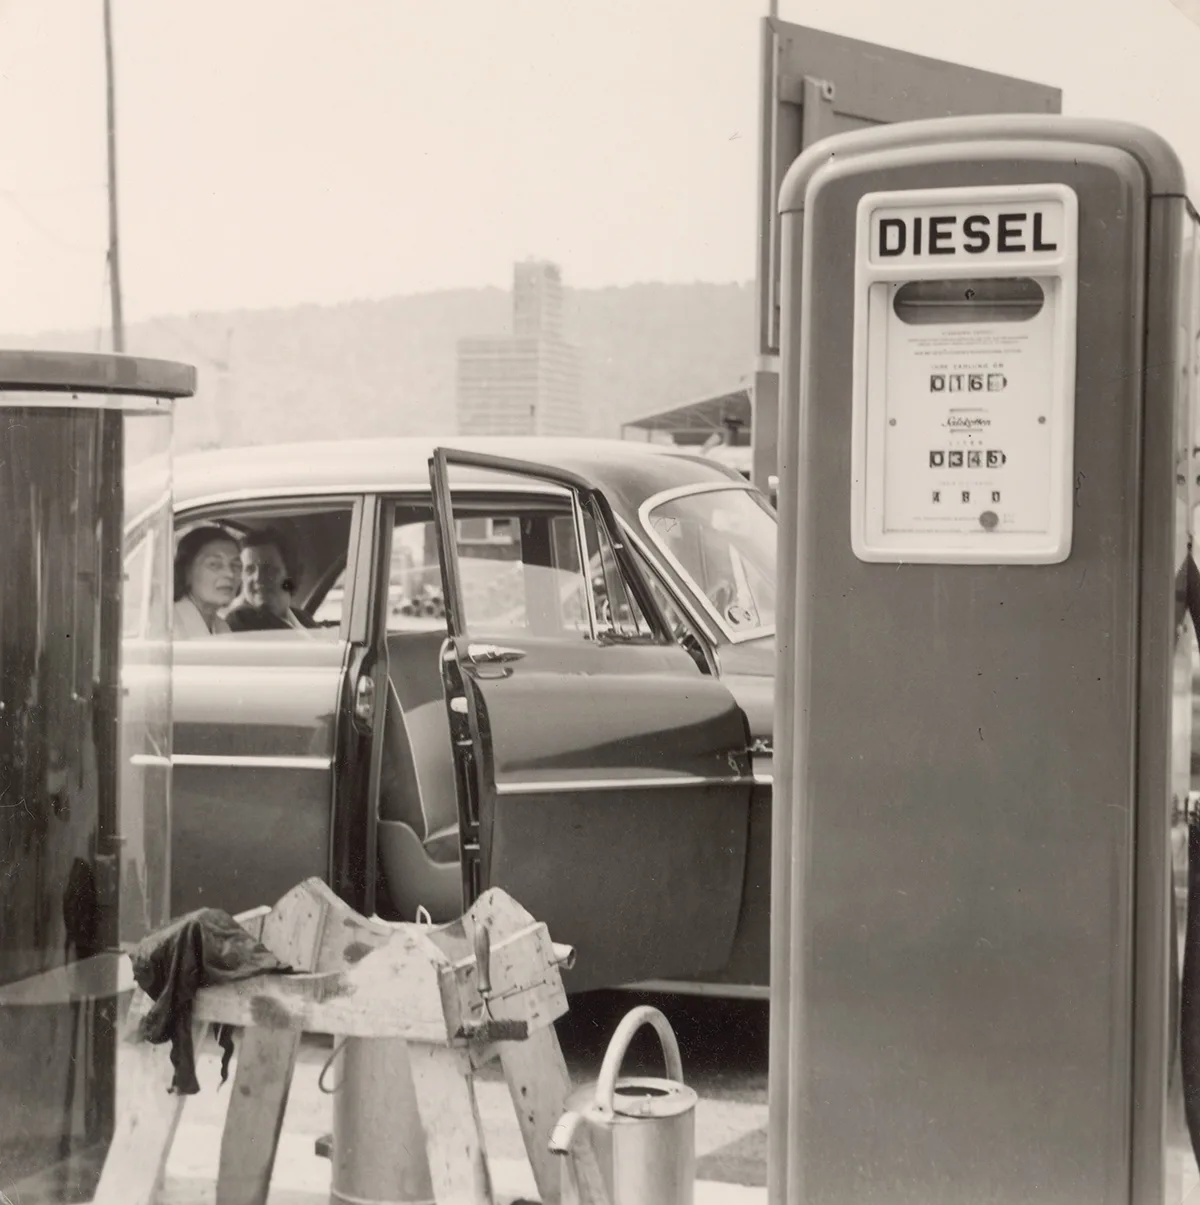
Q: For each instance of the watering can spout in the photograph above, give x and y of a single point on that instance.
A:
(563, 1134)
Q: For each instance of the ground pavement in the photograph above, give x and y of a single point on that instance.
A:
(730, 1143)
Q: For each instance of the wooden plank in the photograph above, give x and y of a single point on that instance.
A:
(148, 1114)
(311, 930)
(585, 1172)
(449, 1112)
(266, 1060)
(293, 929)
(346, 936)
(327, 1004)
(539, 1084)
(392, 992)
(147, 1118)
(401, 984)
(314, 931)
(526, 982)
(252, 920)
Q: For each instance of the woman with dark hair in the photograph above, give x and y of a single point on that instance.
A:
(269, 572)
(207, 569)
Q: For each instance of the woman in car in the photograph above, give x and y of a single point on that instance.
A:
(269, 572)
(207, 570)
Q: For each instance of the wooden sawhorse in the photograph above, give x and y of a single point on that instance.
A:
(361, 978)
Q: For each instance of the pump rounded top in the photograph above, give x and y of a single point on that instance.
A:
(94, 372)
(1157, 157)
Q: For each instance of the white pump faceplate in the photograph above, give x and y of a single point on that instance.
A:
(964, 375)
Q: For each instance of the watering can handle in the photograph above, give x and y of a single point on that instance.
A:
(611, 1067)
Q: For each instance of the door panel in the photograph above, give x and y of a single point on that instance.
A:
(252, 767)
(257, 723)
(615, 805)
(594, 733)
(609, 777)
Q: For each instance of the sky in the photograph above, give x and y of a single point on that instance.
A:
(283, 152)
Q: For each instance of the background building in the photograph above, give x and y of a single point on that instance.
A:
(718, 426)
(526, 383)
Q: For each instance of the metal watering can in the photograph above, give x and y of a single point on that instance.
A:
(639, 1140)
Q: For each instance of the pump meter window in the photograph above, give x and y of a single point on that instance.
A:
(964, 375)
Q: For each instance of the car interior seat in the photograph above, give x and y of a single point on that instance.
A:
(418, 833)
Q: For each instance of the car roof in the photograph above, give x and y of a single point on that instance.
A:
(632, 471)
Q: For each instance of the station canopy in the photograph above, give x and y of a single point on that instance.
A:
(724, 414)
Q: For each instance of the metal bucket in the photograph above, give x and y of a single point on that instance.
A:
(378, 1155)
(642, 1129)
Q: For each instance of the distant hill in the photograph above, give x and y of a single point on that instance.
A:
(388, 367)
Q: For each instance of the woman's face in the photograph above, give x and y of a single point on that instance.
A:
(213, 580)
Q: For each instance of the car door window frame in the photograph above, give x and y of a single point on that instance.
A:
(578, 489)
(694, 640)
(634, 627)
(647, 562)
(589, 593)
(681, 572)
(270, 505)
(475, 500)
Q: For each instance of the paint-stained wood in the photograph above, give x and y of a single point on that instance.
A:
(266, 1060)
(526, 983)
(356, 977)
(311, 930)
(449, 1110)
(539, 1084)
(147, 1117)
(420, 985)
(397, 995)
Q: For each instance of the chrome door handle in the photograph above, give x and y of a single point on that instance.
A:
(364, 702)
(493, 654)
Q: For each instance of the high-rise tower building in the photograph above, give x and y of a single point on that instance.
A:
(526, 383)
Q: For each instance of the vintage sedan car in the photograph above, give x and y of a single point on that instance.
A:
(544, 665)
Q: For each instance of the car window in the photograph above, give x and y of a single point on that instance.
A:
(679, 626)
(517, 572)
(415, 599)
(490, 568)
(723, 541)
(285, 582)
(616, 608)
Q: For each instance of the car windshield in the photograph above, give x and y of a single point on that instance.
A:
(723, 540)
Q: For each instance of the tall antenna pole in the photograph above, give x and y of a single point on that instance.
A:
(114, 257)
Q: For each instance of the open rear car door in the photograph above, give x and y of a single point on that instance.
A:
(603, 779)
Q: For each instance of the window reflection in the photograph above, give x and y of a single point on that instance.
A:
(1181, 1179)
(724, 542)
(58, 821)
(84, 770)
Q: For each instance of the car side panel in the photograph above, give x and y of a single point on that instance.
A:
(252, 768)
(620, 806)
(746, 670)
(749, 963)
